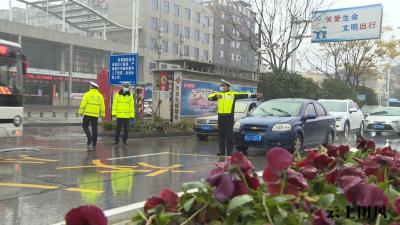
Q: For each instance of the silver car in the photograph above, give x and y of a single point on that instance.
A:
(207, 125)
(383, 119)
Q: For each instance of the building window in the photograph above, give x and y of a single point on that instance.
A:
(165, 26)
(154, 23)
(237, 57)
(175, 48)
(196, 53)
(222, 41)
(154, 4)
(152, 66)
(165, 7)
(176, 10)
(206, 38)
(164, 66)
(197, 35)
(221, 54)
(153, 43)
(187, 14)
(165, 46)
(233, 56)
(186, 50)
(197, 17)
(222, 27)
(206, 21)
(238, 44)
(175, 30)
(186, 32)
(232, 44)
(205, 55)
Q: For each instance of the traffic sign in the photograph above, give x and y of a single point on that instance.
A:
(123, 68)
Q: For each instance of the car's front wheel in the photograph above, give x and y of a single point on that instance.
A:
(297, 149)
(329, 138)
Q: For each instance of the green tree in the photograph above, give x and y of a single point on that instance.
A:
(336, 89)
(288, 85)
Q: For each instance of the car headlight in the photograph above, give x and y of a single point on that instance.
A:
(236, 125)
(17, 121)
(282, 127)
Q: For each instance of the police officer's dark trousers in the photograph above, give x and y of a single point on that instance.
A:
(93, 121)
(122, 123)
(225, 127)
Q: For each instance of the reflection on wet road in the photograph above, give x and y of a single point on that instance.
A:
(39, 187)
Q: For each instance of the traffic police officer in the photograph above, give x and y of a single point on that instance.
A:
(123, 109)
(226, 108)
(92, 107)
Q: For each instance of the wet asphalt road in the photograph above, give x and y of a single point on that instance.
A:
(39, 187)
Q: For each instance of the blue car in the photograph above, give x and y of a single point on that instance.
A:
(289, 123)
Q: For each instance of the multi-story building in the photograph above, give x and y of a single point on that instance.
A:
(234, 30)
(169, 29)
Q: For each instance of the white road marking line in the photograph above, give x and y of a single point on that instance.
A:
(137, 156)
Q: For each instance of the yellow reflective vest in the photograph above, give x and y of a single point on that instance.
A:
(226, 102)
(93, 104)
(123, 106)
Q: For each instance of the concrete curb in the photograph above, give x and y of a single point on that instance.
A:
(151, 135)
(51, 124)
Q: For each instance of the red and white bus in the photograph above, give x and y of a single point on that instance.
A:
(12, 70)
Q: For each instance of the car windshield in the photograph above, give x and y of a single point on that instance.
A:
(240, 107)
(369, 108)
(334, 106)
(386, 111)
(280, 108)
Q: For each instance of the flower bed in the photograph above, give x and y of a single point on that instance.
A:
(332, 186)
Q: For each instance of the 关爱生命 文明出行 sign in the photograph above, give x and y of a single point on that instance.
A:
(347, 24)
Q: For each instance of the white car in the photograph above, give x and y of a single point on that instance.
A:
(383, 119)
(349, 117)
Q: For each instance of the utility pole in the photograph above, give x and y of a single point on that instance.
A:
(259, 51)
(294, 44)
(10, 15)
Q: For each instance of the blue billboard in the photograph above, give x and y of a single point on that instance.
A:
(194, 101)
(123, 68)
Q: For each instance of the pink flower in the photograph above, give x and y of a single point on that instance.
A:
(86, 215)
(397, 206)
(320, 217)
(239, 160)
(309, 172)
(225, 189)
(279, 159)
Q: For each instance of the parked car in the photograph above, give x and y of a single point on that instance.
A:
(289, 123)
(367, 109)
(207, 125)
(349, 117)
(384, 119)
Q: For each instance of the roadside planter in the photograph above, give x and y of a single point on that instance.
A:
(332, 186)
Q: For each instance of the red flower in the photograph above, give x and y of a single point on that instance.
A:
(225, 189)
(331, 176)
(296, 179)
(253, 182)
(240, 188)
(351, 171)
(279, 159)
(309, 172)
(386, 151)
(365, 144)
(370, 195)
(152, 202)
(361, 143)
(86, 215)
(239, 160)
(334, 151)
(320, 217)
(270, 175)
(370, 145)
(309, 160)
(322, 161)
(295, 183)
(214, 177)
(373, 168)
(397, 206)
(348, 182)
(170, 198)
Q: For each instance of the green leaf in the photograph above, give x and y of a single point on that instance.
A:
(283, 212)
(349, 222)
(392, 193)
(326, 200)
(239, 201)
(188, 205)
(283, 198)
(191, 185)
